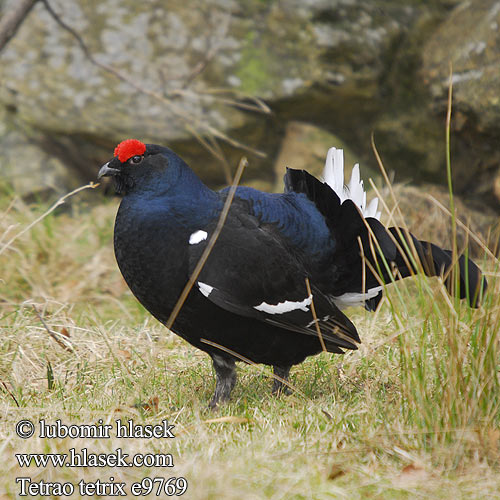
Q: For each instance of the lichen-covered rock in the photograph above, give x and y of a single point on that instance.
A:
(183, 54)
(469, 39)
(189, 71)
(474, 58)
(25, 166)
(53, 84)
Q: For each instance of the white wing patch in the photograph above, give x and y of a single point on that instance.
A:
(197, 237)
(353, 299)
(284, 307)
(333, 174)
(205, 289)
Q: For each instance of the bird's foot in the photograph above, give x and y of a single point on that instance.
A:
(225, 373)
(279, 384)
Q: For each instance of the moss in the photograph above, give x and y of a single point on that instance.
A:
(255, 67)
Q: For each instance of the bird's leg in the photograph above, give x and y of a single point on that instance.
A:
(225, 373)
(278, 386)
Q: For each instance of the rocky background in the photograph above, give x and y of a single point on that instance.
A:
(278, 81)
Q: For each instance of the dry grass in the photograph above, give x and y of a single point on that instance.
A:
(426, 210)
(413, 414)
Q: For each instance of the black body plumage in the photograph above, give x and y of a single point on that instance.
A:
(251, 296)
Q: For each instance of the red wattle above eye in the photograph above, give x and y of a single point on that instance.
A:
(128, 148)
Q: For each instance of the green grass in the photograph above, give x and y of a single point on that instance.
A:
(413, 414)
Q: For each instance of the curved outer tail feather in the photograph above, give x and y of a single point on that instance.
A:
(436, 261)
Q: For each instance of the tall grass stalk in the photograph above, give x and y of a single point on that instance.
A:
(449, 361)
(413, 413)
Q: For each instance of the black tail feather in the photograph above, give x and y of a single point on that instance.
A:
(436, 261)
(400, 248)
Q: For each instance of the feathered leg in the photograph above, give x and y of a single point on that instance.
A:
(225, 373)
(278, 386)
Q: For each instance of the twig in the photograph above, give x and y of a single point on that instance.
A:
(210, 143)
(315, 317)
(59, 202)
(261, 105)
(200, 67)
(256, 105)
(10, 393)
(66, 347)
(208, 248)
(448, 159)
(12, 20)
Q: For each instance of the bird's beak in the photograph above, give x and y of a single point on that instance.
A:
(106, 171)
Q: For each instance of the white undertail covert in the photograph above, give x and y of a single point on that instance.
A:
(333, 175)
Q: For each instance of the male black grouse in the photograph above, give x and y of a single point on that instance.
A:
(251, 296)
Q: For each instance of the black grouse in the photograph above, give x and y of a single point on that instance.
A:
(252, 296)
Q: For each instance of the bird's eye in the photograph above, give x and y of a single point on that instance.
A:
(136, 159)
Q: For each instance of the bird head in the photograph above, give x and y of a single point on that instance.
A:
(137, 167)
